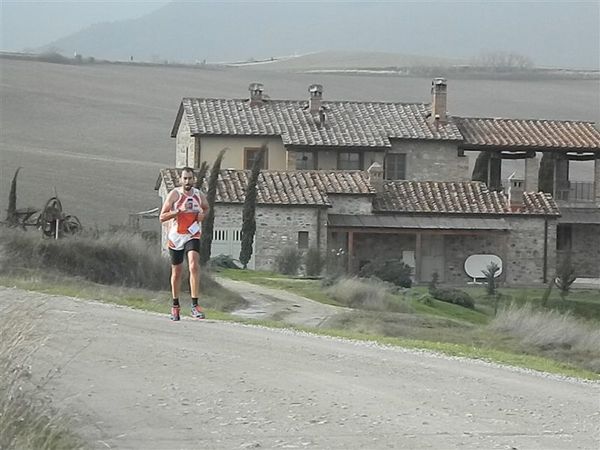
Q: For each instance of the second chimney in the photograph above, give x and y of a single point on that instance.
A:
(516, 189)
(438, 100)
(316, 94)
(256, 94)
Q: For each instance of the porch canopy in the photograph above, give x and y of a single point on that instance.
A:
(370, 223)
(587, 216)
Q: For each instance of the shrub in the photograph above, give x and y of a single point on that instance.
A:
(288, 260)
(313, 262)
(223, 262)
(565, 276)
(392, 270)
(490, 277)
(454, 296)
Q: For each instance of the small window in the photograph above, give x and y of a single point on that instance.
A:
(303, 239)
(305, 161)
(349, 161)
(250, 155)
(563, 237)
(395, 166)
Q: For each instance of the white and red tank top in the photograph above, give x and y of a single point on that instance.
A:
(185, 226)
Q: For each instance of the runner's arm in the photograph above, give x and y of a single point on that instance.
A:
(166, 212)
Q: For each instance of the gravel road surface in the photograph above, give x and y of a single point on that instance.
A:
(135, 380)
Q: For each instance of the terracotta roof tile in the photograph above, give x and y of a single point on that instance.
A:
(523, 133)
(446, 197)
(280, 187)
(314, 188)
(348, 124)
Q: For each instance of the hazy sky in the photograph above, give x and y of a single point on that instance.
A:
(563, 33)
(30, 24)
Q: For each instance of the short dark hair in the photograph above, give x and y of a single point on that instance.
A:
(187, 169)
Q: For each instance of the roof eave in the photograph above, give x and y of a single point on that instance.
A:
(177, 121)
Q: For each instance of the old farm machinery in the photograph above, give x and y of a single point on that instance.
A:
(51, 219)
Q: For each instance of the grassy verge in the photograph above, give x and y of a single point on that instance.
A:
(216, 300)
(27, 420)
(417, 320)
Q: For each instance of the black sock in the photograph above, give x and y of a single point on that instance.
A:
(175, 302)
(195, 301)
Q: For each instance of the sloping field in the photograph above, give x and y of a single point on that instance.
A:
(99, 133)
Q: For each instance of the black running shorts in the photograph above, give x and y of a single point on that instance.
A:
(193, 245)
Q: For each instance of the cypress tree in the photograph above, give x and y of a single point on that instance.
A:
(480, 171)
(248, 215)
(201, 175)
(209, 220)
(11, 212)
(546, 174)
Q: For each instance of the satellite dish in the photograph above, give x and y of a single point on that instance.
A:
(476, 264)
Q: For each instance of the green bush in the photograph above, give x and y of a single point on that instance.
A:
(288, 261)
(313, 262)
(454, 296)
(391, 270)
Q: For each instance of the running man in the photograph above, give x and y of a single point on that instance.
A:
(185, 209)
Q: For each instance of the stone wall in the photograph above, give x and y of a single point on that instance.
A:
(459, 247)
(184, 145)
(276, 227)
(525, 250)
(432, 160)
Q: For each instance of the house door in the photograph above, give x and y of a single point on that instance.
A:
(228, 241)
(432, 257)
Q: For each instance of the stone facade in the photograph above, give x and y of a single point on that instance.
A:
(525, 250)
(276, 227)
(432, 160)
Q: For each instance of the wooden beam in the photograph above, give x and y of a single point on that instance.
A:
(418, 244)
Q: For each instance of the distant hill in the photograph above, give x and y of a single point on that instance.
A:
(216, 32)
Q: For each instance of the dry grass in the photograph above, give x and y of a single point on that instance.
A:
(27, 421)
(367, 294)
(557, 334)
(119, 258)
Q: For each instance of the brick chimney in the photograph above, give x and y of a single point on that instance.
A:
(256, 94)
(438, 100)
(516, 189)
(375, 172)
(316, 94)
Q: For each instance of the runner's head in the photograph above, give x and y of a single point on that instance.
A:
(187, 178)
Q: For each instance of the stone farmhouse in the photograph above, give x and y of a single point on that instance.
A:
(392, 180)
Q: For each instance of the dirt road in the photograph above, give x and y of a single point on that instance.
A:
(136, 380)
(267, 303)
